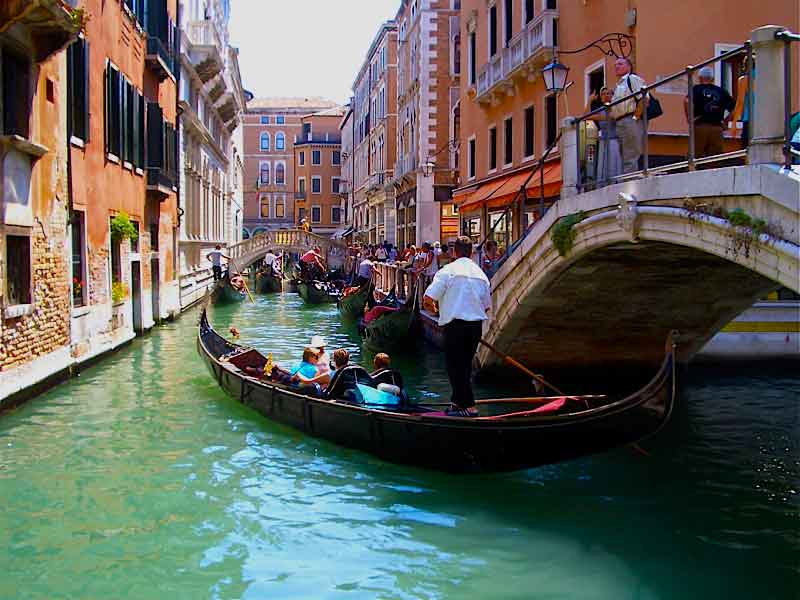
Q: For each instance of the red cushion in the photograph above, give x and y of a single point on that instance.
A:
(551, 406)
(377, 312)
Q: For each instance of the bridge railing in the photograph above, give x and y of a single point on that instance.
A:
(401, 279)
(292, 240)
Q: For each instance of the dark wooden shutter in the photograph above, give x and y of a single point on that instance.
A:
(136, 131)
(87, 66)
(123, 121)
(141, 132)
(16, 93)
(155, 135)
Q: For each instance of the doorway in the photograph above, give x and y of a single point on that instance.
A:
(136, 295)
(155, 276)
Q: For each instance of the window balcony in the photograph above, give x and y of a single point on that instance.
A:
(526, 53)
(379, 180)
(50, 25)
(406, 165)
(159, 58)
(161, 181)
(299, 195)
(205, 49)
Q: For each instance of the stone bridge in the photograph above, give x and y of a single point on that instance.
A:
(659, 253)
(247, 252)
(648, 256)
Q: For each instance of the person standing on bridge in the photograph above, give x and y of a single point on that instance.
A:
(463, 294)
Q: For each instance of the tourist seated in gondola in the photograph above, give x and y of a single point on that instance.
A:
(308, 373)
(387, 379)
(323, 360)
(237, 283)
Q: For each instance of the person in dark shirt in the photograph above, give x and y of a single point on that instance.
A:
(712, 106)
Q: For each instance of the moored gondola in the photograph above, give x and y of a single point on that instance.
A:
(226, 293)
(351, 306)
(511, 433)
(388, 327)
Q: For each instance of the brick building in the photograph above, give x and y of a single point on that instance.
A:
(374, 106)
(508, 118)
(318, 171)
(428, 77)
(34, 260)
(270, 128)
(123, 163)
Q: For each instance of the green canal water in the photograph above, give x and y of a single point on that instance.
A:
(141, 479)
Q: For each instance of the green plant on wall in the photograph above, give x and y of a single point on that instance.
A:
(119, 291)
(563, 234)
(122, 228)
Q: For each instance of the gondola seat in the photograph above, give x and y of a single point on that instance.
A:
(377, 312)
(344, 382)
(392, 377)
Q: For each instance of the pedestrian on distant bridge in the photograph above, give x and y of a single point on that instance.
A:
(463, 294)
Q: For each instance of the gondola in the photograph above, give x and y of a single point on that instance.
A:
(317, 292)
(352, 305)
(225, 293)
(509, 434)
(269, 281)
(390, 330)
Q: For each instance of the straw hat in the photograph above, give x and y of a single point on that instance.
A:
(317, 341)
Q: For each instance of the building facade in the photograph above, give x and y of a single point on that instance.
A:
(211, 101)
(346, 131)
(271, 126)
(374, 150)
(318, 172)
(35, 292)
(508, 118)
(428, 80)
(123, 172)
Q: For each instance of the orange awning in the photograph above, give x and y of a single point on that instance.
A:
(499, 192)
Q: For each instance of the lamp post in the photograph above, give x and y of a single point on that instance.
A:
(617, 45)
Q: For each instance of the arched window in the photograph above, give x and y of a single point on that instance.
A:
(264, 141)
(263, 176)
(280, 174)
(280, 141)
(264, 207)
(245, 234)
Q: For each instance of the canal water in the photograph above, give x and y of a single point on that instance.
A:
(141, 479)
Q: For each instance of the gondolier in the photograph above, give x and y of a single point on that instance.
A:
(216, 256)
(463, 293)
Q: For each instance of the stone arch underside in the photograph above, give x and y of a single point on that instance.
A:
(616, 304)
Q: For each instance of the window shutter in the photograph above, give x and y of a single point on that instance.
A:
(141, 116)
(106, 108)
(86, 97)
(135, 133)
(155, 135)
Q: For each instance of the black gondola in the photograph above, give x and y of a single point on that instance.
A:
(391, 330)
(317, 292)
(352, 306)
(269, 281)
(225, 293)
(508, 435)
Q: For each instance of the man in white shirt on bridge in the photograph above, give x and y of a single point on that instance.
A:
(463, 293)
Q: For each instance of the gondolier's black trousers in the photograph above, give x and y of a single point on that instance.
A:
(461, 339)
(216, 270)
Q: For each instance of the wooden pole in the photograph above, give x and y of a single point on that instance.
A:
(506, 358)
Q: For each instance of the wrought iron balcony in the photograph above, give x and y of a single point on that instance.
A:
(326, 138)
(161, 181)
(159, 58)
(50, 25)
(205, 49)
(299, 195)
(524, 56)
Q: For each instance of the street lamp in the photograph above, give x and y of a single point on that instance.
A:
(613, 44)
(427, 167)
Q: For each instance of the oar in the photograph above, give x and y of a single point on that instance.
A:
(506, 358)
(244, 281)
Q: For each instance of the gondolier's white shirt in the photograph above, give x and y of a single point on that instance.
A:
(270, 258)
(462, 291)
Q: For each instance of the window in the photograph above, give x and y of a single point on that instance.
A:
(316, 185)
(528, 11)
(551, 117)
(264, 144)
(18, 261)
(508, 155)
(307, 132)
(280, 120)
(509, 15)
(316, 214)
(264, 119)
(280, 141)
(335, 183)
(316, 157)
(301, 185)
(78, 89)
(492, 148)
(136, 238)
(336, 214)
(154, 237)
(280, 174)
(471, 158)
(301, 214)
(336, 158)
(473, 69)
(113, 116)
(302, 159)
(280, 207)
(551, 4)
(139, 142)
(128, 102)
(16, 82)
(529, 131)
(78, 261)
(264, 207)
(493, 30)
(263, 176)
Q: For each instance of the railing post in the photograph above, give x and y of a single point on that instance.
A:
(767, 116)
(570, 165)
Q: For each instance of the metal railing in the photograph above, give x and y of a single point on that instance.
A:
(158, 47)
(791, 151)
(588, 153)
